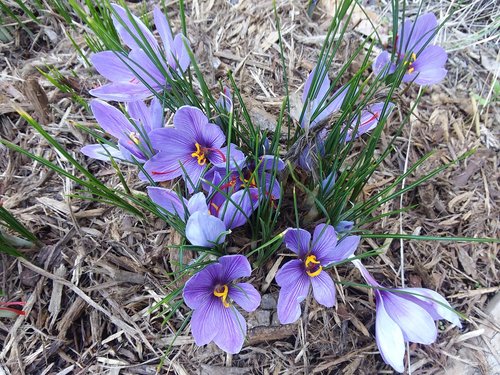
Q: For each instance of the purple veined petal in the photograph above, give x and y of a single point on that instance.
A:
(145, 71)
(333, 107)
(190, 120)
(417, 34)
(130, 31)
(364, 272)
(272, 186)
(180, 53)
(111, 65)
(131, 151)
(294, 284)
(389, 338)
(198, 202)
(231, 330)
(199, 289)
(156, 114)
(163, 28)
(298, 240)
(164, 166)
(121, 92)
(346, 248)
(112, 120)
(203, 229)
(169, 200)
(245, 295)
(192, 173)
(429, 76)
(323, 244)
(236, 157)
(139, 112)
(369, 119)
(234, 267)
(323, 289)
(236, 210)
(415, 322)
(101, 152)
(431, 57)
(173, 141)
(323, 87)
(268, 163)
(428, 299)
(382, 65)
(205, 321)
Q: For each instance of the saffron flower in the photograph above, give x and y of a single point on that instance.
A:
(405, 315)
(187, 149)
(424, 62)
(315, 97)
(368, 119)
(297, 276)
(136, 75)
(133, 135)
(206, 227)
(213, 294)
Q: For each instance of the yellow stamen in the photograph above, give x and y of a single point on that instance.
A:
(309, 262)
(134, 137)
(217, 208)
(411, 69)
(200, 154)
(222, 295)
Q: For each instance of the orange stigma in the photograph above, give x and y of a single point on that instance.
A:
(222, 294)
(313, 266)
(199, 154)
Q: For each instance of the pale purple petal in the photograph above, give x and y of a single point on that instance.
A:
(344, 226)
(333, 107)
(122, 92)
(323, 244)
(200, 287)
(415, 322)
(130, 151)
(140, 113)
(205, 321)
(130, 31)
(234, 267)
(231, 330)
(417, 34)
(164, 166)
(346, 248)
(298, 240)
(112, 120)
(236, 157)
(389, 338)
(145, 71)
(192, 173)
(323, 289)
(181, 54)
(203, 229)
(101, 152)
(169, 200)
(245, 295)
(383, 65)
(156, 114)
(369, 119)
(294, 284)
(428, 299)
(320, 90)
(190, 120)
(236, 210)
(111, 65)
(430, 76)
(197, 202)
(271, 163)
(173, 141)
(163, 28)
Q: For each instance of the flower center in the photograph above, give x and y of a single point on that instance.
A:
(411, 69)
(313, 266)
(200, 154)
(221, 292)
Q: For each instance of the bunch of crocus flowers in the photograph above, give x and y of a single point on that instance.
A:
(210, 187)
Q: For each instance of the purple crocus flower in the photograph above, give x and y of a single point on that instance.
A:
(133, 135)
(369, 119)
(225, 101)
(297, 276)
(316, 111)
(136, 75)
(188, 148)
(213, 294)
(405, 315)
(206, 227)
(425, 65)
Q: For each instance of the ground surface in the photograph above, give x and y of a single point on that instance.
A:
(90, 287)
